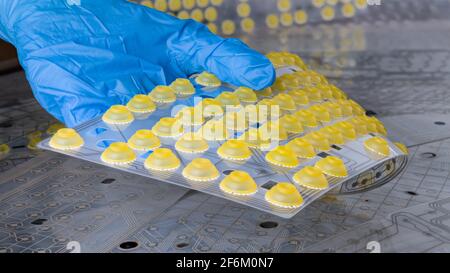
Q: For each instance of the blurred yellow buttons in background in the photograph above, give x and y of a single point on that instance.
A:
(300, 17)
(4, 150)
(282, 156)
(311, 177)
(182, 87)
(378, 146)
(247, 25)
(272, 22)
(144, 140)
(238, 183)
(243, 9)
(313, 94)
(211, 14)
(118, 153)
(245, 94)
(208, 79)
(201, 169)
(162, 159)
(301, 148)
(141, 104)
(320, 112)
(228, 27)
(66, 139)
(168, 127)
(284, 195)
(332, 166)
(234, 149)
(162, 94)
(191, 143)
(118, 114)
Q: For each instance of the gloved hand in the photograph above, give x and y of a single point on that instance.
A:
(81, 59)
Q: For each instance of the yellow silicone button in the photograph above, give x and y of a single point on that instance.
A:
(318, 140)
(337, 93)
(255, 114)
(228, 98)
(247, 25)
(243, 9)
(334, 135)
(359, 125)
(325, 91)
(214, 130)
(402, 147)
(284, 5)
(191, 143)
(254, 139)
(208, 79)
(182, 87)
(313, 94)
(284, 195)
(286, 19)
(347, 129)
(211, 14)
(272, 22)
(346, 107)
(118, 153)
(66, 139)
(334, 109)
(118, 114)
(266, 92)
(210, 107)
(162, 94)
(238, 183)
(285, 102)
(307, 118)
(327, 13)
(311, 177)
(168, 127)
(190, 116)
(273, 130)
(299, 96)
(356, 108)
(144, 140)
(141, 104)
(371, 123)
(320, 112)
(380, 126)
(270, 107)
(4, 150)
(291, 124)
(201, 169)
(236, 120)
(282, 156)
(162, 159)
(378, 146)
(52, 129)
(332, 166)
(300, 17)
(301, 148)
(228, 27)
(234, 149)
(245, 94)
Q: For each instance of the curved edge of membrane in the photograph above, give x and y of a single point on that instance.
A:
(400, 163)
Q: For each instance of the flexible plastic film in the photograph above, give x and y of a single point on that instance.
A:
(266, 164)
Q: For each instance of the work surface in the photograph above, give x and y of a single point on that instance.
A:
(394, 63)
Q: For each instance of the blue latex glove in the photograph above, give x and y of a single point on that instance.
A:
(79, 60)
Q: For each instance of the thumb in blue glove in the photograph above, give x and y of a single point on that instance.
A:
(81, 59)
